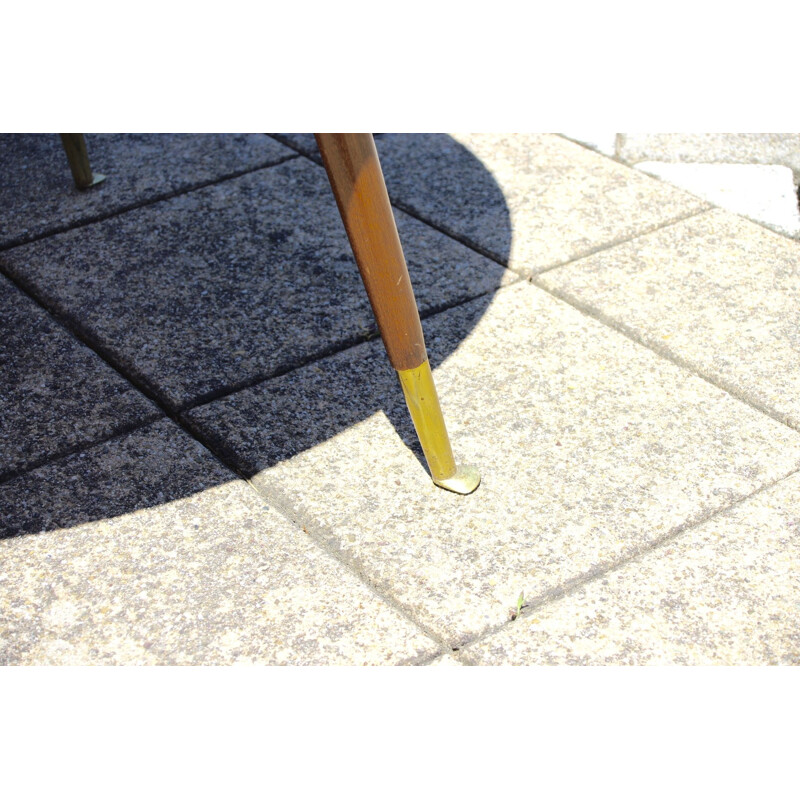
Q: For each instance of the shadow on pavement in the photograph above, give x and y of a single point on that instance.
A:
(281, 405)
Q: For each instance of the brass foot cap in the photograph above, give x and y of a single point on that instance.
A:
(465, 481)
(96, 178)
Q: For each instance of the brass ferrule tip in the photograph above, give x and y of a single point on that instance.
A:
(426, 414)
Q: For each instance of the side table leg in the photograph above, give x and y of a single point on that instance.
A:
(354, 171)
(75, 148)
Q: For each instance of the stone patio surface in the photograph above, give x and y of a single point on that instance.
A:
(205, 456)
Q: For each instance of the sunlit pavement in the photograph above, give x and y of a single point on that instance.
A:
(205, 456)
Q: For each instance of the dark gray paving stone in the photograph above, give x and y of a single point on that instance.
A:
(228, 284)
(37, 193)
(530, 200)
(304, 142)
(55, 393)
(145, 550)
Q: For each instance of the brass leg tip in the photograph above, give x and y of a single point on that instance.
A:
(96, 178)
(465, 481)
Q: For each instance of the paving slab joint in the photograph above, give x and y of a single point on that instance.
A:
(601, 571)
(400, 206)
(663, 352)
(91, 220)
(116, 433)
(286, 507)
(626, 240)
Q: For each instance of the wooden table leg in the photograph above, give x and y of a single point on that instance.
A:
(351, 161)
(75, 148)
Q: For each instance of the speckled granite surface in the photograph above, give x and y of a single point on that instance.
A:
(727, 592)
(37, 193)
(56, 395)
(717, 292)
(152, 553)
(631, 413)
(591, 448)
(560, 201)
(233, 282)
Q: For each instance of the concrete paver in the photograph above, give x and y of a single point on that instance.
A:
(717, 292)
(559, 200)
(632, 412)
(56, 395)
(727, 592)
(146, 550)
(591, 447)
(37, 193)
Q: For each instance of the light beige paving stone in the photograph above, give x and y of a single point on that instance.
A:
(734, 148)
(548, 200)
(716, 291)
(146, 551)
(763, 193)
(602, 141)
(590, 447)
(445, 661)
(726, 592)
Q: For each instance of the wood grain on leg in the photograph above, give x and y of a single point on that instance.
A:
(354, 170)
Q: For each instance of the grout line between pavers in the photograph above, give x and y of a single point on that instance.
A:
(663, 352)
(82, 223)
(290, 144)
(573, 585)
(411, 212)
(617, 145)
(622, 240)
(620, 143)
(453, 652)
(280, 501)
(85, 337)
(759, 223)
(462, 240)
(714, 206)
(335, 349)
(524, 273)
(121, 430)
(110, 361)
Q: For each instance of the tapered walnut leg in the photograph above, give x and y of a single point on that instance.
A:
(75, 148)
(351, 161)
